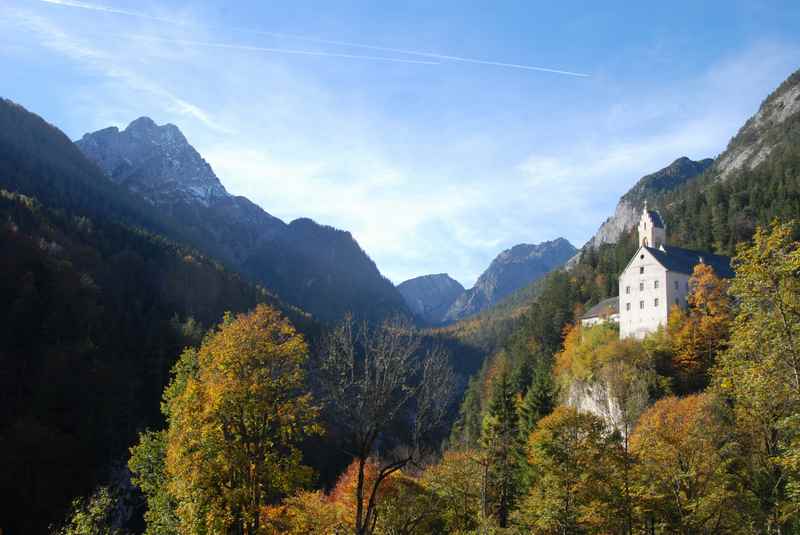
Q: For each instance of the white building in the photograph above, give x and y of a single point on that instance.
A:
(657, 277)
(605, 310)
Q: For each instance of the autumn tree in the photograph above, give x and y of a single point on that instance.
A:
(236, 410)
(456, 483)
(382, 387)
(577, 462)
(684, 473)
(701, 332)
(759, 373)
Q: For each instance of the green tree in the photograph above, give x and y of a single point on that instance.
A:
(539, 400)
(147, 465)
(500, 440)
(92, 516)
(576, 488)
(759, 373)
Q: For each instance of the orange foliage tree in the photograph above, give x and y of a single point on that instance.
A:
(701, 332)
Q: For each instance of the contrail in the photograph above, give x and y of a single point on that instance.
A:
(278, 50)
(444, 57)
(416, 53)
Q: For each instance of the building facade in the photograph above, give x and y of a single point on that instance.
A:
(657, 277)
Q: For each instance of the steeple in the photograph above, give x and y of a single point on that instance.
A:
(652, 230)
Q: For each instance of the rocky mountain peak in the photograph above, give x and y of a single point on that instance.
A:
(155, 161)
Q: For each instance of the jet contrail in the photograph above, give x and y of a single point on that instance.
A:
(444, 57)
(432, 55)
(278, 50)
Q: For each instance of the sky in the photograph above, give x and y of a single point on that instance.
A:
(438, 133)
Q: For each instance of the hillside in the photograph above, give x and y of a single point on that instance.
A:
(713, 211)
(315, 267)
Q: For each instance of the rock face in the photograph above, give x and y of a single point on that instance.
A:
(315, 267)
(431, 296)
(596, 398)
(629, 209)
(510, 271)
(154, 161)
(762, 133)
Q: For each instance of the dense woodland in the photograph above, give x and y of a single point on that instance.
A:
(149, 389)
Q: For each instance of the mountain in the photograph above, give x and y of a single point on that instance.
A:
(628, 211)
(509, 271)
(95, 308)
(431, 296)
(315, 267)
(765, 133)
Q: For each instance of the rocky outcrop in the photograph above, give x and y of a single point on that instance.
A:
(431, 296)
(511, 270)
(763, 132)
(596, 398)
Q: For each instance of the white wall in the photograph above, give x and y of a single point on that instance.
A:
(590, 322)
(644, 318)
(680, 292)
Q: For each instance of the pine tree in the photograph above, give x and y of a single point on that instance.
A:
(539, 400)
(500, 439)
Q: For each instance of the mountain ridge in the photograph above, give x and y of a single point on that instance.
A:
(299, 261)
(512, 269)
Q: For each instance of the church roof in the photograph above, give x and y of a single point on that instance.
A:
(605, 307)
(656, 218)
(684, 260)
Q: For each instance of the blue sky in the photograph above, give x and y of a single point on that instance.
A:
(434, 165)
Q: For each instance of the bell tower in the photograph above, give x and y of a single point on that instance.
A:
(652, 230)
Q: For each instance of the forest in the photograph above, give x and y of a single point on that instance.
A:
(149, 387)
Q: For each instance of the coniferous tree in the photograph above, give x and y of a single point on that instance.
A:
(500, 439)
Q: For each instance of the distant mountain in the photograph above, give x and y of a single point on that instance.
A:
(317, 268)
(510, 271)
(628, 211)
(431, 296)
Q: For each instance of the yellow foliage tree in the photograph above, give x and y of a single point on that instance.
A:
(683, 479)
(236, 410)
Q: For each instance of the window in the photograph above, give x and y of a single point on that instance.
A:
(641, 304)
(676, 286)
(628, 306)
(655, 285)
(627, 289)
(641, 286)
(641, 256)
(655, 302)
(677, 301)
(641, 270)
